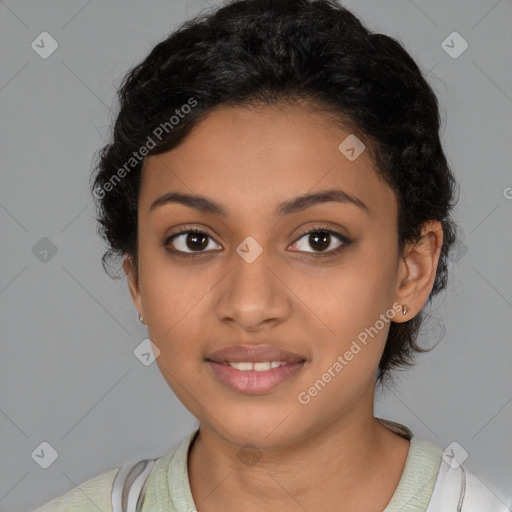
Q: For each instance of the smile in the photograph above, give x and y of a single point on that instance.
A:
(262, 366)
(254, 377)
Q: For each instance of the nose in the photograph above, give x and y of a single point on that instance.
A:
(253, 294)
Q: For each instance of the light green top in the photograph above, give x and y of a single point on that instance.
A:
(167, 488)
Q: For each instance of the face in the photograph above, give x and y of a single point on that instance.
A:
(268, 278)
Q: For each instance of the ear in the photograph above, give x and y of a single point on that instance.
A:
(417, 269)
(133, 283)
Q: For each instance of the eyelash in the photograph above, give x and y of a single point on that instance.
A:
(333, 252)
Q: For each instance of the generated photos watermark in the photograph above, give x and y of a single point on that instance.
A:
(143, 151)
(304, 397)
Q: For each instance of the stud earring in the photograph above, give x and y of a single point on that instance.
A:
(404, 310)
(141, 320)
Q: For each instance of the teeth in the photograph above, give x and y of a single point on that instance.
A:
(244, 367)
(259, 367)
(262, 367)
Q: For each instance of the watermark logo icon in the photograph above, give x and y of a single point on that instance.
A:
(351, 147)
(44, 45)
(454, 45)
(45, 455)
(249, 249)
(44, 250)
(455, 455)
(249, 454)
(146, 352)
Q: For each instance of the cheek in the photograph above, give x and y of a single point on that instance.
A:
(169, 295)
(370, 278)
(355, 305)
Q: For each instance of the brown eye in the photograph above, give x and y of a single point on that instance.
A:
(321, 240)
(189, 241)
(194, 241)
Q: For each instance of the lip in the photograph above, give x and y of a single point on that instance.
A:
(254, 354)
(252, 381)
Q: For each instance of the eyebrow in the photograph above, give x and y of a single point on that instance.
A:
(297, 204)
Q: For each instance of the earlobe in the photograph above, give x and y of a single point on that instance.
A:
(418, 267)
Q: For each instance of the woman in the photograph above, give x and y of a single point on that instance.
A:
(277, 190)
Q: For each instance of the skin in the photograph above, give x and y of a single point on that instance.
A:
(330, 454)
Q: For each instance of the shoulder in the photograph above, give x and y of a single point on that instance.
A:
(458, 488)
(92, 495)
(435, 477)
(124, 486)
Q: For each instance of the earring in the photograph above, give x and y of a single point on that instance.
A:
(141, 320)
(404, 310)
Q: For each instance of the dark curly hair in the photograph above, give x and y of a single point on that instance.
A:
(262, 52)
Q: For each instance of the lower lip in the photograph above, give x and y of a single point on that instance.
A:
(253, 382)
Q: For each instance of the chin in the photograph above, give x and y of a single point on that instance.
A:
(274, 428)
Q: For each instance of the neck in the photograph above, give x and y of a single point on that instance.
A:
(333, 469)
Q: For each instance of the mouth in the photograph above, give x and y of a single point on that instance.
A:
(260, 366)
(254, 370)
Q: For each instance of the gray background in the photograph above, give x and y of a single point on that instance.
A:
(68, 373)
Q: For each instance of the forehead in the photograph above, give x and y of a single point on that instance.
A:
(256, 157)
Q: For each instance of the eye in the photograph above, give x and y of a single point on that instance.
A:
(192, 238)
(321, 239)
(193, 241)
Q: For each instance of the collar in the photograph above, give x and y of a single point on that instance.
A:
(169, 487)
